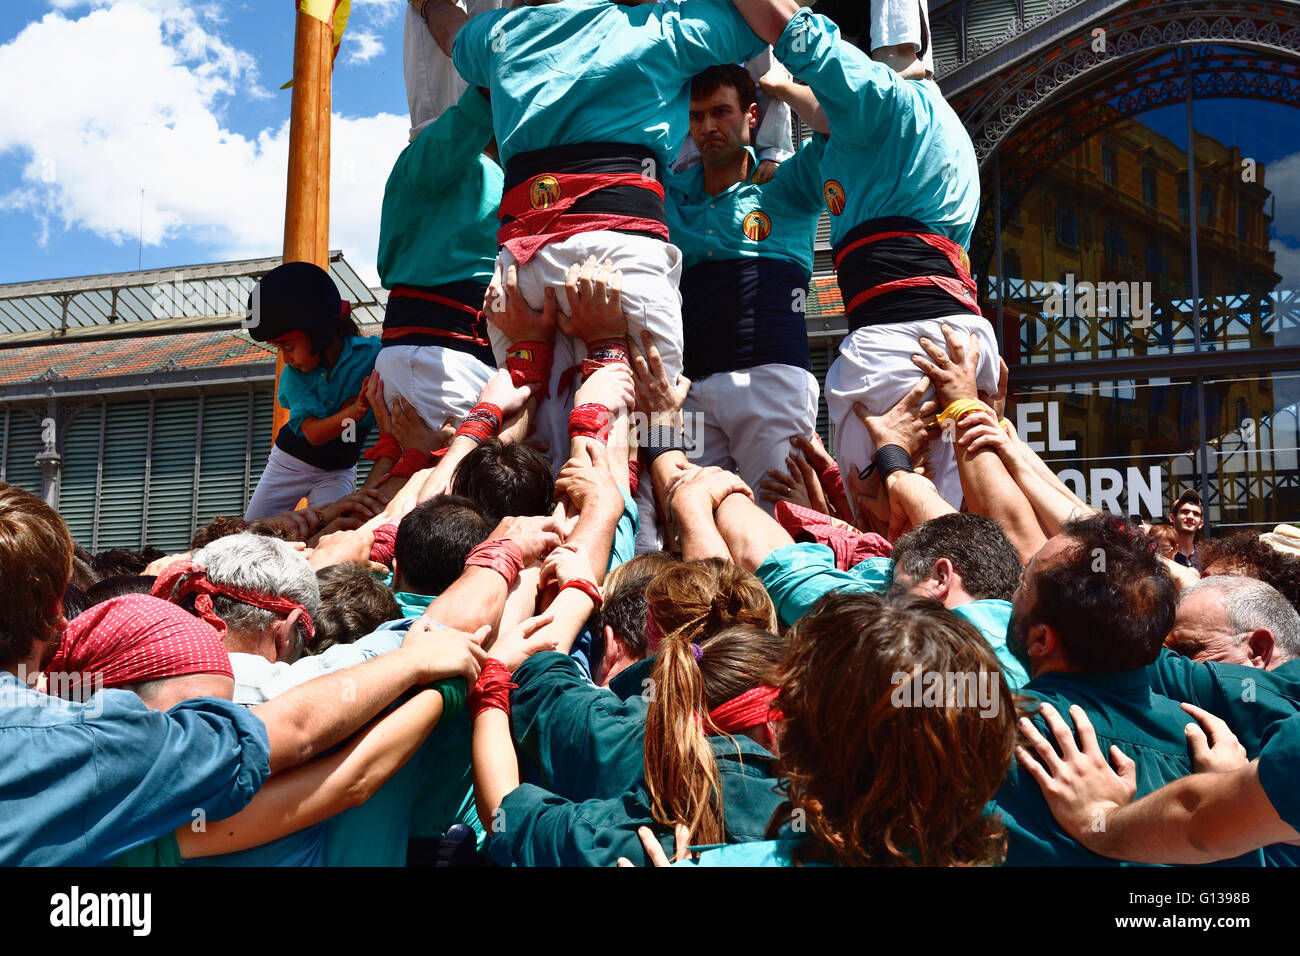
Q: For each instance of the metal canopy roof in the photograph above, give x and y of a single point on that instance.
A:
(152, 301)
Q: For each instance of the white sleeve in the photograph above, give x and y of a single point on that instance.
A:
(895, 22)
(773, 139)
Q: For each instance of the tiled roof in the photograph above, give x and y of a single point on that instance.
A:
(91, 360)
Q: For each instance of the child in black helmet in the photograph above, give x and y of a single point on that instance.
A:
(297, 308)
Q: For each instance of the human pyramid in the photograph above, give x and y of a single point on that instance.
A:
(604, 597)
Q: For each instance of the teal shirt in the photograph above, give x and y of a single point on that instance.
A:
(1279, 768)
(540, 828)
(1125, 712)
(439, 220)
(711, 228)
(798, 575)
(591, 71)
(322, 392)
(586, 741)
(1250, 700)
(896, 148)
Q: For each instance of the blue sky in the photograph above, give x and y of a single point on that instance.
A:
(182, 100)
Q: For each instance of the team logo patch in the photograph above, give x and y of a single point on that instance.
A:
(520, 353)
(834, 194)
(965, 262)
(756, 226)
(544, 191)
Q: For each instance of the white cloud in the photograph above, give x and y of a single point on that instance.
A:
(378, 11)
(361, 47)
(131, 96)
(1286, 262)
(1282, 179)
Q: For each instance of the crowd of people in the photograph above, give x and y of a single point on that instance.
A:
(605, 599)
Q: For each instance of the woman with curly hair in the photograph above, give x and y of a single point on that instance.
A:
(898, 729)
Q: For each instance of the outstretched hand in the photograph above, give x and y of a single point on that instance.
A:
(1079, 786)
(506, 308)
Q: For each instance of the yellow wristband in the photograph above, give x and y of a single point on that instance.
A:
(959, 408)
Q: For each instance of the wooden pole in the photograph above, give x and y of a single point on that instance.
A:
(307, 198)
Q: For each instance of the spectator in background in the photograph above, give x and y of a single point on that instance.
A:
(1185, 516)
(1244, 553)
(1166, 539)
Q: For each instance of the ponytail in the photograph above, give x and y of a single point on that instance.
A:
(681, 774)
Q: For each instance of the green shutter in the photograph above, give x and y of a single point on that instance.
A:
(80, 469)
(24, 445)
(222, 490)
(171, 473)
(121, 504)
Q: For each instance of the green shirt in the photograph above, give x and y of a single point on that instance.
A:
(1125, 712)
(540, 828)
(1248, 699)
(798, 575)
(439, 220)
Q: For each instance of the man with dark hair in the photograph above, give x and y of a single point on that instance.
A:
(503, 480)
(1186, 518)
(1091, 613)
(747, 257)
(1245, 553)
(433, 542)
(117, 586)
(966, 562)
(619, 641)
(353, 602)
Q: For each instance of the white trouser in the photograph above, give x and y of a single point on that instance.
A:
(287, 479)
(432, 83)
(895, 22)
(440, 383)
(875, 368)
(651, 269)
(744, 420)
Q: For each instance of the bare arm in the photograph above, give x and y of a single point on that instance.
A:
(767, 18)
(780, 85)
(312, 717)
(1197, 819)
(304, 796)
(444, 20)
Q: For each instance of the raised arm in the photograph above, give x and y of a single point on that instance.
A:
(988, 487)
(767, 18)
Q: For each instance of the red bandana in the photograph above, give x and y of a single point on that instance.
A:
(183, 578)
(137, 638)
(750, 709)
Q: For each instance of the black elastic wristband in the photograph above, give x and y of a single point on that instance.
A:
(889, 459)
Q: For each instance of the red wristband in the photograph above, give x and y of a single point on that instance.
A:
(383, 548)
(386, 447)
(492, 689)
(529, 363)
(482, 423)
(588, 588)
(589, 421)
(501, 555)
(604, 352)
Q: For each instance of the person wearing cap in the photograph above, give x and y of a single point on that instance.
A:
(1185, 516)
(297, 308)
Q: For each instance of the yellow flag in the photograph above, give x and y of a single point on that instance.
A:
(333, 12)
